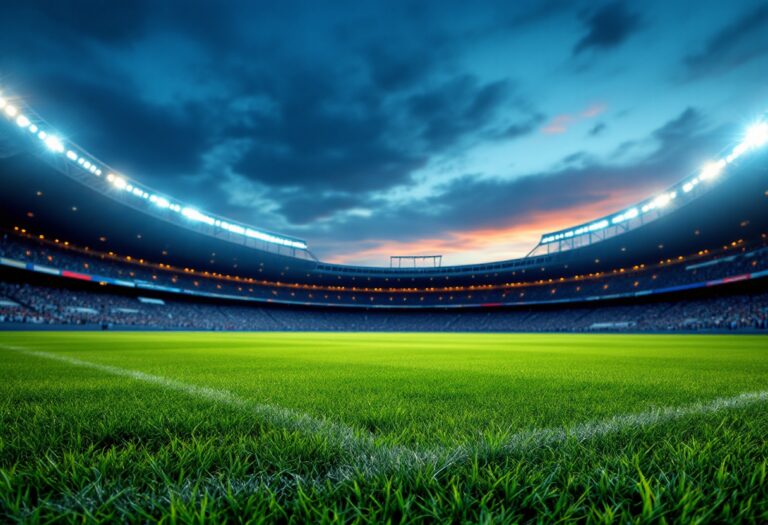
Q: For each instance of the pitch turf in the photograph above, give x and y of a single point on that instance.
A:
(382, 427)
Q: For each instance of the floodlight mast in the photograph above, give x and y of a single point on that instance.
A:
(396, 261)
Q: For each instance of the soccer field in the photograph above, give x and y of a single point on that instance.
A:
(320, 427)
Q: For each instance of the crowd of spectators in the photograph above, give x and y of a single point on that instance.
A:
(728, 264)
(26, 304)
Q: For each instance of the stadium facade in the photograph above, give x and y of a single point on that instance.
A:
(69, 220)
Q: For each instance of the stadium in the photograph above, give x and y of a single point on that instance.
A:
(669, 248)
(166, 362)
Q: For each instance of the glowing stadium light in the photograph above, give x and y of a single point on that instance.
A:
(687, 187)
(712, 169)
(757, 135)
(119, 183)
(71, 155)
(86, 164)
(629, 214)
(11, 110)
(161, 202)
(42, 135)
(737, 152)
(54, 144)
(234, 228)
(22, 121)
(195, 215)
(660, 201)
(2, 102)
(32, 128)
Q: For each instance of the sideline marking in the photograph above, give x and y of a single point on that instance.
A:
(368, 458)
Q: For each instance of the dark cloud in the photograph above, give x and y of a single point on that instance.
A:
(597, 129)
(579, 158)
(371, 140)
(522, 128)
(475, 202)
(607, 27)
(741, 41)
(90, 20)
(303, 208)
(324, 138)
(675, 134)
(392, 70)
(463, 107)
(149, 141)
(488, 202)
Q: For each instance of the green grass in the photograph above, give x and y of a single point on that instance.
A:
(77, 443)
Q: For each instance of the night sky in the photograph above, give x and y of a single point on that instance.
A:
(394, 128)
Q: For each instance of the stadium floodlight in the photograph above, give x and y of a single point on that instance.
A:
(629, 214)
(661, 201)
(687, 187)
(195, 215)
(42, 135)
(11, 110)
(71, 155)
(234, 228)
(54, 144)
(22, 121)
(712, 169)
(32, 128)
(2, 102)
(757, 135)
(119, 183)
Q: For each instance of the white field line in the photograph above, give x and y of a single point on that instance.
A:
(367, 458)
(364, 453)
(547, 437)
